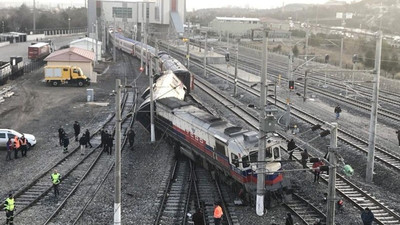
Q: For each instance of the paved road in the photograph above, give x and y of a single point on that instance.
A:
(21, 49)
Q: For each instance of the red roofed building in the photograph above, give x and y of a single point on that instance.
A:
(74, 57)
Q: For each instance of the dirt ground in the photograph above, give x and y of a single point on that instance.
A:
(40, 110)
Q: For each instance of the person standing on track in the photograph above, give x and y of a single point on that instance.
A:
(102, 137)
(398, 136)
(367, 217)
(77, 130)
(82, 143)
(338, 110)
(109, 143)
(217, 213)
(316, 166)
(24, 145)
(289, 219)
(9, 207)
(61, 134)
(65, 143)
(304, 158)
(198, 218)
(55, 178)
(131, 137)
(290, 147)
(87, 135)
(9, 149)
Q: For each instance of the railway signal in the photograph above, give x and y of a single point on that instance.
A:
(291, 84)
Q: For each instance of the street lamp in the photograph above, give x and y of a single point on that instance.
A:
(69, 25)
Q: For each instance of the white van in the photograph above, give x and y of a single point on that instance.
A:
(5, 134)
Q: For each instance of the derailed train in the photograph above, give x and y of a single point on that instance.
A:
(229, 150)
(12, 69)
(166, 62)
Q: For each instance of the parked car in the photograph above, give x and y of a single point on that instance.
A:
(5, 134)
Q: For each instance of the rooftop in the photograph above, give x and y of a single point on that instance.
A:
(71, 54)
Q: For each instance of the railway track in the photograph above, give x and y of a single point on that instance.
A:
(36, 196)
(189, 187)
(354, 194)
(382, 155)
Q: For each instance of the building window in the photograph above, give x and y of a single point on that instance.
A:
(120, 12)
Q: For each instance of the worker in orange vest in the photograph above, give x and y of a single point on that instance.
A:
(16, 146)
(217, 213)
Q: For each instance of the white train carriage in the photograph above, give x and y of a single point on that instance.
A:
(166, 86)
(229, 149)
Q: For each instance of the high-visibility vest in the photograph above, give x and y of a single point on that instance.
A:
(9, 204)
(55, 177)
(218, 212)
(16, 142)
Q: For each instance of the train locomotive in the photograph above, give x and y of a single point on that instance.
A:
(166, 62)
(218, 145)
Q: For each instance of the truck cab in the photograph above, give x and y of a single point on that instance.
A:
(56, 75)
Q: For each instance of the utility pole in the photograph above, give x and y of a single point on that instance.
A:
(34, 16)
(205, 57)
(288, 101)
(307, 34)
(330, 215)
(374, 110)
(97, 39)
(305, 86)
(141, 41)
(188, 52)
(341, 52)
(236, 68)
(152, 132)
(114, 49)
(262, 132)
(117, 197)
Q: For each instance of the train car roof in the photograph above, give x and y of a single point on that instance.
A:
(39, 44)
(120, 36)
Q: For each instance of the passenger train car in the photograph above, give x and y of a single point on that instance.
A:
(217, 144)
(166, 62)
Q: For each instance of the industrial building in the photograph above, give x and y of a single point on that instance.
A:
(240, 27)
(130, 16)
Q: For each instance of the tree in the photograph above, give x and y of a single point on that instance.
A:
(394, 63)
(369, 60)
(295, 51)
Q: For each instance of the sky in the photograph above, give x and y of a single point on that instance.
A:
(191, 4)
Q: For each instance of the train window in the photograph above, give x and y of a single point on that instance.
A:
(65, 69)
(268, 153)
(235, 160)
(254, 157)
(220, 148)
(245, 162)
(276, 153)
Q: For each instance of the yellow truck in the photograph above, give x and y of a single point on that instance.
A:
(56, 75)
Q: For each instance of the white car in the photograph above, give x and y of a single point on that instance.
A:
(5, 134)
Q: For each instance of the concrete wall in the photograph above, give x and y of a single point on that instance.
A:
(33, 37)
(4, 43)
(87, 68)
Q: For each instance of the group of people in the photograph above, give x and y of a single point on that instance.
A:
(106, 141)
(84, 140)
(16, 145)
(198, 216)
